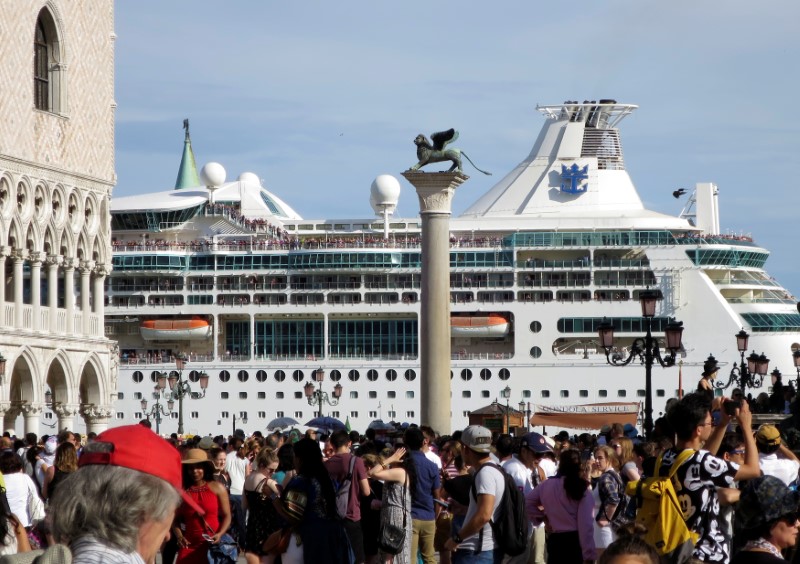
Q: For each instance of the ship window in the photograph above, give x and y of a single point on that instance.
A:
(120, 415)
(545, 393)
(660, 393)
(298, 375)
(410, 375)
(372, 375)
(224, 415)
(353, 395)
(392, 415)
(391, 394)
(583, 393)
(486, 374)
(336, 375)
(154, 375)
(536, 352)
(279, 413)
(536, 326)
(298, 414)
(410, 394)
(640, 393)
(526, 393)
(224, 376)
(137, 415)
(466, 394)
(485, 394)
(466, 374)
(195, 415)
(564, 393)
(279, 395)
(262, 395)
(622, 393)
(262, 414)
(354, 414)
(603, 393)
(373, 394)
(194, 376)
(280, 375)
(391, 375)
(261, 375)
(223, 395)
(410, 414)
(243, 375)
(335, 414)
(298, 395)
(137, 395)
(242, 395)
(353, 375)
(174, 415)
(504, 374)
(138, 376)
(120, 395)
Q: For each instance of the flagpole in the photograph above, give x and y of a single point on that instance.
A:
(680, 379)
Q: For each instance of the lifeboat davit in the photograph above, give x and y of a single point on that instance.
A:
(492, 325)
(175, 329)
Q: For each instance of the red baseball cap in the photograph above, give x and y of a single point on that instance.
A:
(139, 448)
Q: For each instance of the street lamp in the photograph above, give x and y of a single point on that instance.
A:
(746, 375)
(157, 411)
(796, 358)
(180, 388)
(522, 411)
(318, 396)
(506, 393)
(645, 349)
(242, 418)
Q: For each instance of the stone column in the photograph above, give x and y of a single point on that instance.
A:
(9, 415)
(98, 293)
(31, 413)
(52, 290)
(4, 252)
(86, 268)
(36, 289)
(96, 417)
(19, 256)
(435, 191)
(69, 293)
(66, 415)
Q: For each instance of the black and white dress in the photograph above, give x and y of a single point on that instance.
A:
(392, 510)
(697, 480)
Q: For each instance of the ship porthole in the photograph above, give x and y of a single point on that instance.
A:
(336, 375)
(280, 375)
(536, 326)
(372, 375)
(536, 352)
(138, 376)
(243, 376)
(261, 375)
(391, 375)
(410, 375)
(504, 374)
(486, 374)
(466, 374)
(353, 375)
(298, 376)
(224, 376)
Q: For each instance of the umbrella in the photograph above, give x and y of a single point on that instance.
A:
(379, 425)
(281, 422)
(326, 423)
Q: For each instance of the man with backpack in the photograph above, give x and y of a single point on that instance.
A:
(349, 477)
(699, 473)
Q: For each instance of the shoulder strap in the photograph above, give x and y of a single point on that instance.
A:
(685, 455)
(352, 465)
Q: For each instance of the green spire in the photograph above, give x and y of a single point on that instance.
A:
(187, 173)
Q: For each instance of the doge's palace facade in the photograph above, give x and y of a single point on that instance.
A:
(56, 177)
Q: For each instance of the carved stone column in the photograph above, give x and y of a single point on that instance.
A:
(86, 268)
(35, 261)
(4, 252)
(96, 417)
(19, 256)
(31, 413)
(53, 261)
(435, 191)
(98, 294)
(69, 293)
(66, 415)
(9, 414)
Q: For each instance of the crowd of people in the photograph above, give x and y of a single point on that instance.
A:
(127, 494)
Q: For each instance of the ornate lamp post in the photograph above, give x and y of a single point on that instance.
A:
(505, 393)
(180, 388)
(525, 415)
(318, 396)
(746, 375)
(157, 411)
(646, 349)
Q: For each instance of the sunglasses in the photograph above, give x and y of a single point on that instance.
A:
(790, 519)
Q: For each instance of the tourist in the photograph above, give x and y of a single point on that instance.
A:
(608, 493)
(13, 536)
(423, 513)
(399, 479)
(196, 530)
(566, 503)
(237, 466)
(533, 446)
(285, 471)
(218, 457)
(65, 463)
(630, 548)
(768, 513)
(262, 518)
(774, 458)
(455, 492)
(520, 473)
(23, 498)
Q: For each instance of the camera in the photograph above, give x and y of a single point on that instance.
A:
(731, 406)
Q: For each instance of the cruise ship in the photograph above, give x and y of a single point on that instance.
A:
(227, 275)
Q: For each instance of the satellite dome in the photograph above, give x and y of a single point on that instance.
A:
(212, 175)
(385, 191)
(249, 177)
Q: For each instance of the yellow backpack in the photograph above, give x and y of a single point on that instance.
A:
(660, 512)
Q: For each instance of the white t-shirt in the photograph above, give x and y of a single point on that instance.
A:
(433, 457)
(519, 473)
(19, 488)
(782, 468)
(548, 466)
(488, 480)
(236, 468)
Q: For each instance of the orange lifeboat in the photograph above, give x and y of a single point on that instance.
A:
(492, 325)
(175, 329)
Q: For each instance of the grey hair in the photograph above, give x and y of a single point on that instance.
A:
(110, 503)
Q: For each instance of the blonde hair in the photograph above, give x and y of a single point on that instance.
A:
(626, 452)
(610, 455)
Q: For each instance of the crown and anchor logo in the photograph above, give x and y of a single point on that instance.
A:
(573, 179)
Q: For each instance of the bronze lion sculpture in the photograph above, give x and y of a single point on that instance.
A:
(435, 152)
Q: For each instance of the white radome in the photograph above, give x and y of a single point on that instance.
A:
(213, 174)
(385, 191)
(249, 177)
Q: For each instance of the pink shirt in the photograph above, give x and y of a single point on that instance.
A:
(549, 499)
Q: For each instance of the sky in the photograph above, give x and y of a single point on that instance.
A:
(319, 98)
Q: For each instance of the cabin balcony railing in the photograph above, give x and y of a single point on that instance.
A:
(61, 323)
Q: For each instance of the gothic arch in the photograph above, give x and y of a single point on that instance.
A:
(49, 61)
(14, 238)
(91, 384)
(49, 245)
(42, 208)
(67, 246)
(23, 384)
(33, 238)
(24, 199)
(59, 379)
(82, 250)
(100, 252)
(58, 204)
(6, 193)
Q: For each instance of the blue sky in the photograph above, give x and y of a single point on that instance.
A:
(318, 98)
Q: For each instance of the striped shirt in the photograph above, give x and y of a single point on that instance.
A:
(89, 550)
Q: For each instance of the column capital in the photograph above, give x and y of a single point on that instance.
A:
(37, 257)
(66, 409)
(29, 409)
(19, 254)
(86, 266)
(94, 412)
(5, 251)
(101, 269)
(435, 189)
(54, 260)
(70, 263)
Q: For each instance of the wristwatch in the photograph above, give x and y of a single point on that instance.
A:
(457, 538)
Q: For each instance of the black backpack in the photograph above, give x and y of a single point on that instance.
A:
(511, 530)
(342, 489)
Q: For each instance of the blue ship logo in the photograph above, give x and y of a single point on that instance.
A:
(572, 179)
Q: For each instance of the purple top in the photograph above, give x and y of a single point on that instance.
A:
(550, 500)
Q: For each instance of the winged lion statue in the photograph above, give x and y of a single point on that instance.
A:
(436, 152)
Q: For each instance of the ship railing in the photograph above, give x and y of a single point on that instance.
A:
(762, 301)
(465, 355)
(745, 282)
(621, 263)
(555, 283)
(481, 283)
(540, 263)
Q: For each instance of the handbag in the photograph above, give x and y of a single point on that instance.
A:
(226, 551)
(391, 538)
(277, 542)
